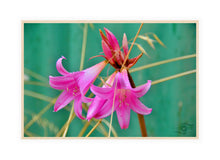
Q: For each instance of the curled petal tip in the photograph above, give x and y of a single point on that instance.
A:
(63, 57)
(106, 29)
(88, 118)
(133, 61)
(149, 111)
(124, 127)
(55, 109)
(60, 67)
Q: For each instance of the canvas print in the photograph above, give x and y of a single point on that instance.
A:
(109, 79)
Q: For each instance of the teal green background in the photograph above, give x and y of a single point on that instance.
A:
(173, 102)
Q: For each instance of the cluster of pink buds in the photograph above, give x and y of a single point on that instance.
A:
(113, 53)
(116, 94)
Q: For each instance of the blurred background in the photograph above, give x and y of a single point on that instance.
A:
(173, 101)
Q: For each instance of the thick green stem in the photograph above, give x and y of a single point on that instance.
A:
(140, 117)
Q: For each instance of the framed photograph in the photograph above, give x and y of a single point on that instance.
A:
(118, 79)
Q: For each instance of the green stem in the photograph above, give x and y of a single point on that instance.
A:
(126, 58)
(35, 118)
(69, 121)
(37, 95)
(35, 75)
(64, 126)
(140, 117)
(113, 105)
(172, 77)
(112, 129)
(83, 46)
(36, 83)
(162, 62)
(85, 30)
(90, 132)
(84, 128)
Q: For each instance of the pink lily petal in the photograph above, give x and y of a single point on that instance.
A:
(125, 78)
(106, 109)
(60, 67)
(107, 52)
(125, 44)
(122, 56)
(142, 90)
(112, 39)
(60, 82)
(95, 106)
(64, 82)
(123, 114)
(122, 80)
(86, 99)
(118, 57)
(139, 107)
(110, 80)
(89, 76)
(78, 108)
(104, 93)
(65, 98)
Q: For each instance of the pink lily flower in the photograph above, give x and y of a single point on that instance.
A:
(112, 50)
(97, 104)
(123, 98)
(75, 85)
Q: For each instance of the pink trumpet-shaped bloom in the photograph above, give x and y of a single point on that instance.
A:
(122, 97)
(75, 85)
(112, 50)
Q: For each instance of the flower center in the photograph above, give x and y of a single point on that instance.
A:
(123, 95)
(75, 90)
